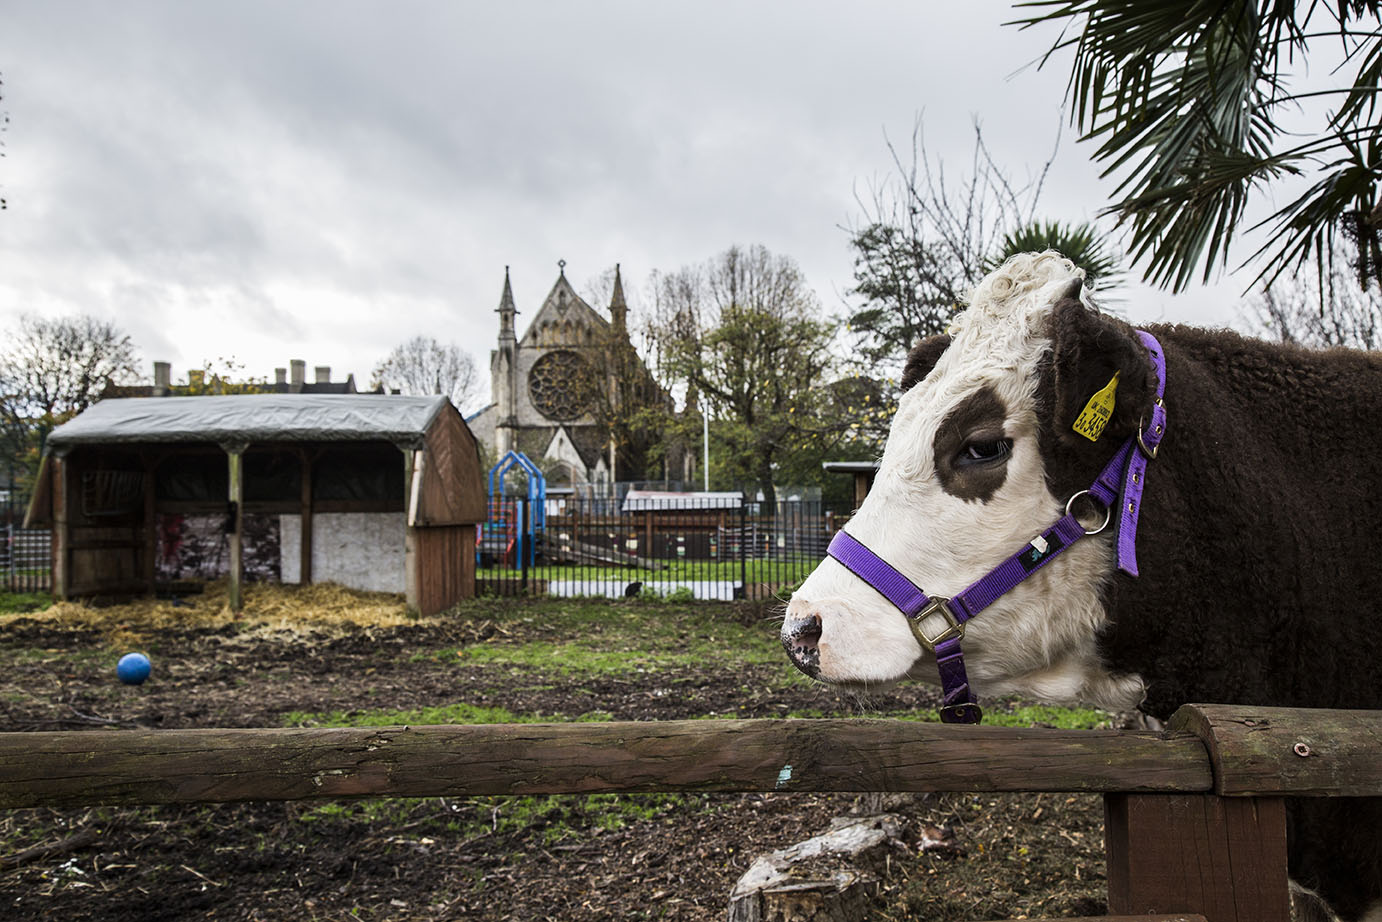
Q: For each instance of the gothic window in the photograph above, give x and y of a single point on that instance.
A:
(561, 385)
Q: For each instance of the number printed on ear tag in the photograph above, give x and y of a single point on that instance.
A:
(1098, 411)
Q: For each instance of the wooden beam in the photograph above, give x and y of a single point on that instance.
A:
(62, 530)
(412, 485)
(1272, 751)
(305, 551)
(1176, 917)
(148, 561)
(862, 483)
(1223, 857)
(235, 456)
(190, 766)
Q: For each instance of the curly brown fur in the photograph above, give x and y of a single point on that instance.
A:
(1258, 543)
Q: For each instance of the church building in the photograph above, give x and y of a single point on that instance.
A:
(558, 390)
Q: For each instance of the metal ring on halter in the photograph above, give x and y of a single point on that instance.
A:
(1108, 513)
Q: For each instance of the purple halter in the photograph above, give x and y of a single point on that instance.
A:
(939, 623)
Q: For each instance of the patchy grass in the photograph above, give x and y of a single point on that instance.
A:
(458, 713)
(1005, 713)
(24, 602)
(598, 637)
(555, 818)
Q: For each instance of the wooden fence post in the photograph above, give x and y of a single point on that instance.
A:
(1222, 857)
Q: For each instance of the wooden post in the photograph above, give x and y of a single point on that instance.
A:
(862, 482)
(62, 532)
(235, 589)
(1271, 752)
(305, 558)
(1222, 857)
(412, 483)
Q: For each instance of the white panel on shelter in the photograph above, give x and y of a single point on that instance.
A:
(360, 550)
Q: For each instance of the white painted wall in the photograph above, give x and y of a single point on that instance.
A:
(361, 550)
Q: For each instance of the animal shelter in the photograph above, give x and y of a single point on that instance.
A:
(371, 491)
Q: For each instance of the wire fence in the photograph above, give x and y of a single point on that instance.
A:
(25, 561)
(697, 546)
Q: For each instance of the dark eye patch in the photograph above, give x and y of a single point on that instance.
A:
(971, 449)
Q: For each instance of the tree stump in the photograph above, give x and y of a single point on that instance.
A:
(832, 877)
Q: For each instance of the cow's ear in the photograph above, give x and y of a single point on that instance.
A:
(923, 358)
(1088, 350)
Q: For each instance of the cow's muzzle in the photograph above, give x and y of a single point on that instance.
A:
(801, 639)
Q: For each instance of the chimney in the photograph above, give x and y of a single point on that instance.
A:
(299, 373)
(280, 376)
(323, 374)
(163, 377)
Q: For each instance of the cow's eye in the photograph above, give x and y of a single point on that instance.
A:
(984, 451)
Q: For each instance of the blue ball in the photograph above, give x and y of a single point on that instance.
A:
(133, 668)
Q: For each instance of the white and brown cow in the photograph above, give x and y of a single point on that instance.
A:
(1258, 550)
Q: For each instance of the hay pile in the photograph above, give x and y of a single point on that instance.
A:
(269, 607)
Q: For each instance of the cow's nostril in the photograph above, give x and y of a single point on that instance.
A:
(806, 633)
(801, 636)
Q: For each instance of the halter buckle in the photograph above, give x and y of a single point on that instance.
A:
(953, 627)
(1150, 451)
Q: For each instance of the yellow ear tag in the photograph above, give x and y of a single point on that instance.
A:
(1098, 411)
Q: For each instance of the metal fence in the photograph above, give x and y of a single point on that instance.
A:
(25, 563)
(701, 546)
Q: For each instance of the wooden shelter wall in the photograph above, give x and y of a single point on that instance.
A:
(453, 488)
(104, 537)
(445, 561)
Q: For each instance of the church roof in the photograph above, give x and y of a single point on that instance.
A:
(561, 311)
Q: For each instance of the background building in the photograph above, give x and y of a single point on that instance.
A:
(561, 394)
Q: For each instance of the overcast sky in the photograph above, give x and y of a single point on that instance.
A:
(323, 180)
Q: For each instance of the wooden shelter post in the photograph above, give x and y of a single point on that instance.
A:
(305, 558)
(62, 531)
(236, 522)
(148, 564)
(412, 485)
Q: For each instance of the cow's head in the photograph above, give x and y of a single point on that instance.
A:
(982, 457)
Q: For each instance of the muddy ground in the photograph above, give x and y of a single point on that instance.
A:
(633, 857)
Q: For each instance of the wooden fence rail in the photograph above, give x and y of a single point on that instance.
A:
(1194, 817)
(76, 768)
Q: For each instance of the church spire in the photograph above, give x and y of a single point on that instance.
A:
(618, 307)
(506, 311)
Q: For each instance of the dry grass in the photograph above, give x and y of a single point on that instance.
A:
(269, 607)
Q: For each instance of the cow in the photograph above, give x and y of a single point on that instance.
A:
(1242, 563)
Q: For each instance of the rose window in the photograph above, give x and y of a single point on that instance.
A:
(561, 385)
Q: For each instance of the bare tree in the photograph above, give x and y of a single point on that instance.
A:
(926, 238)
(746, 334)
(424, 366)
(4, 126)
(1328, 311)
(51, 370)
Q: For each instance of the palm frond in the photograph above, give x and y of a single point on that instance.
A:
(1182, 99)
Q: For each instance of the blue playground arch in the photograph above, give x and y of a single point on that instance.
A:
(504, 516)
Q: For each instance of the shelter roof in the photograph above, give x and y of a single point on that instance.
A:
(668, 501)
(252, 418)
(850, 467)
